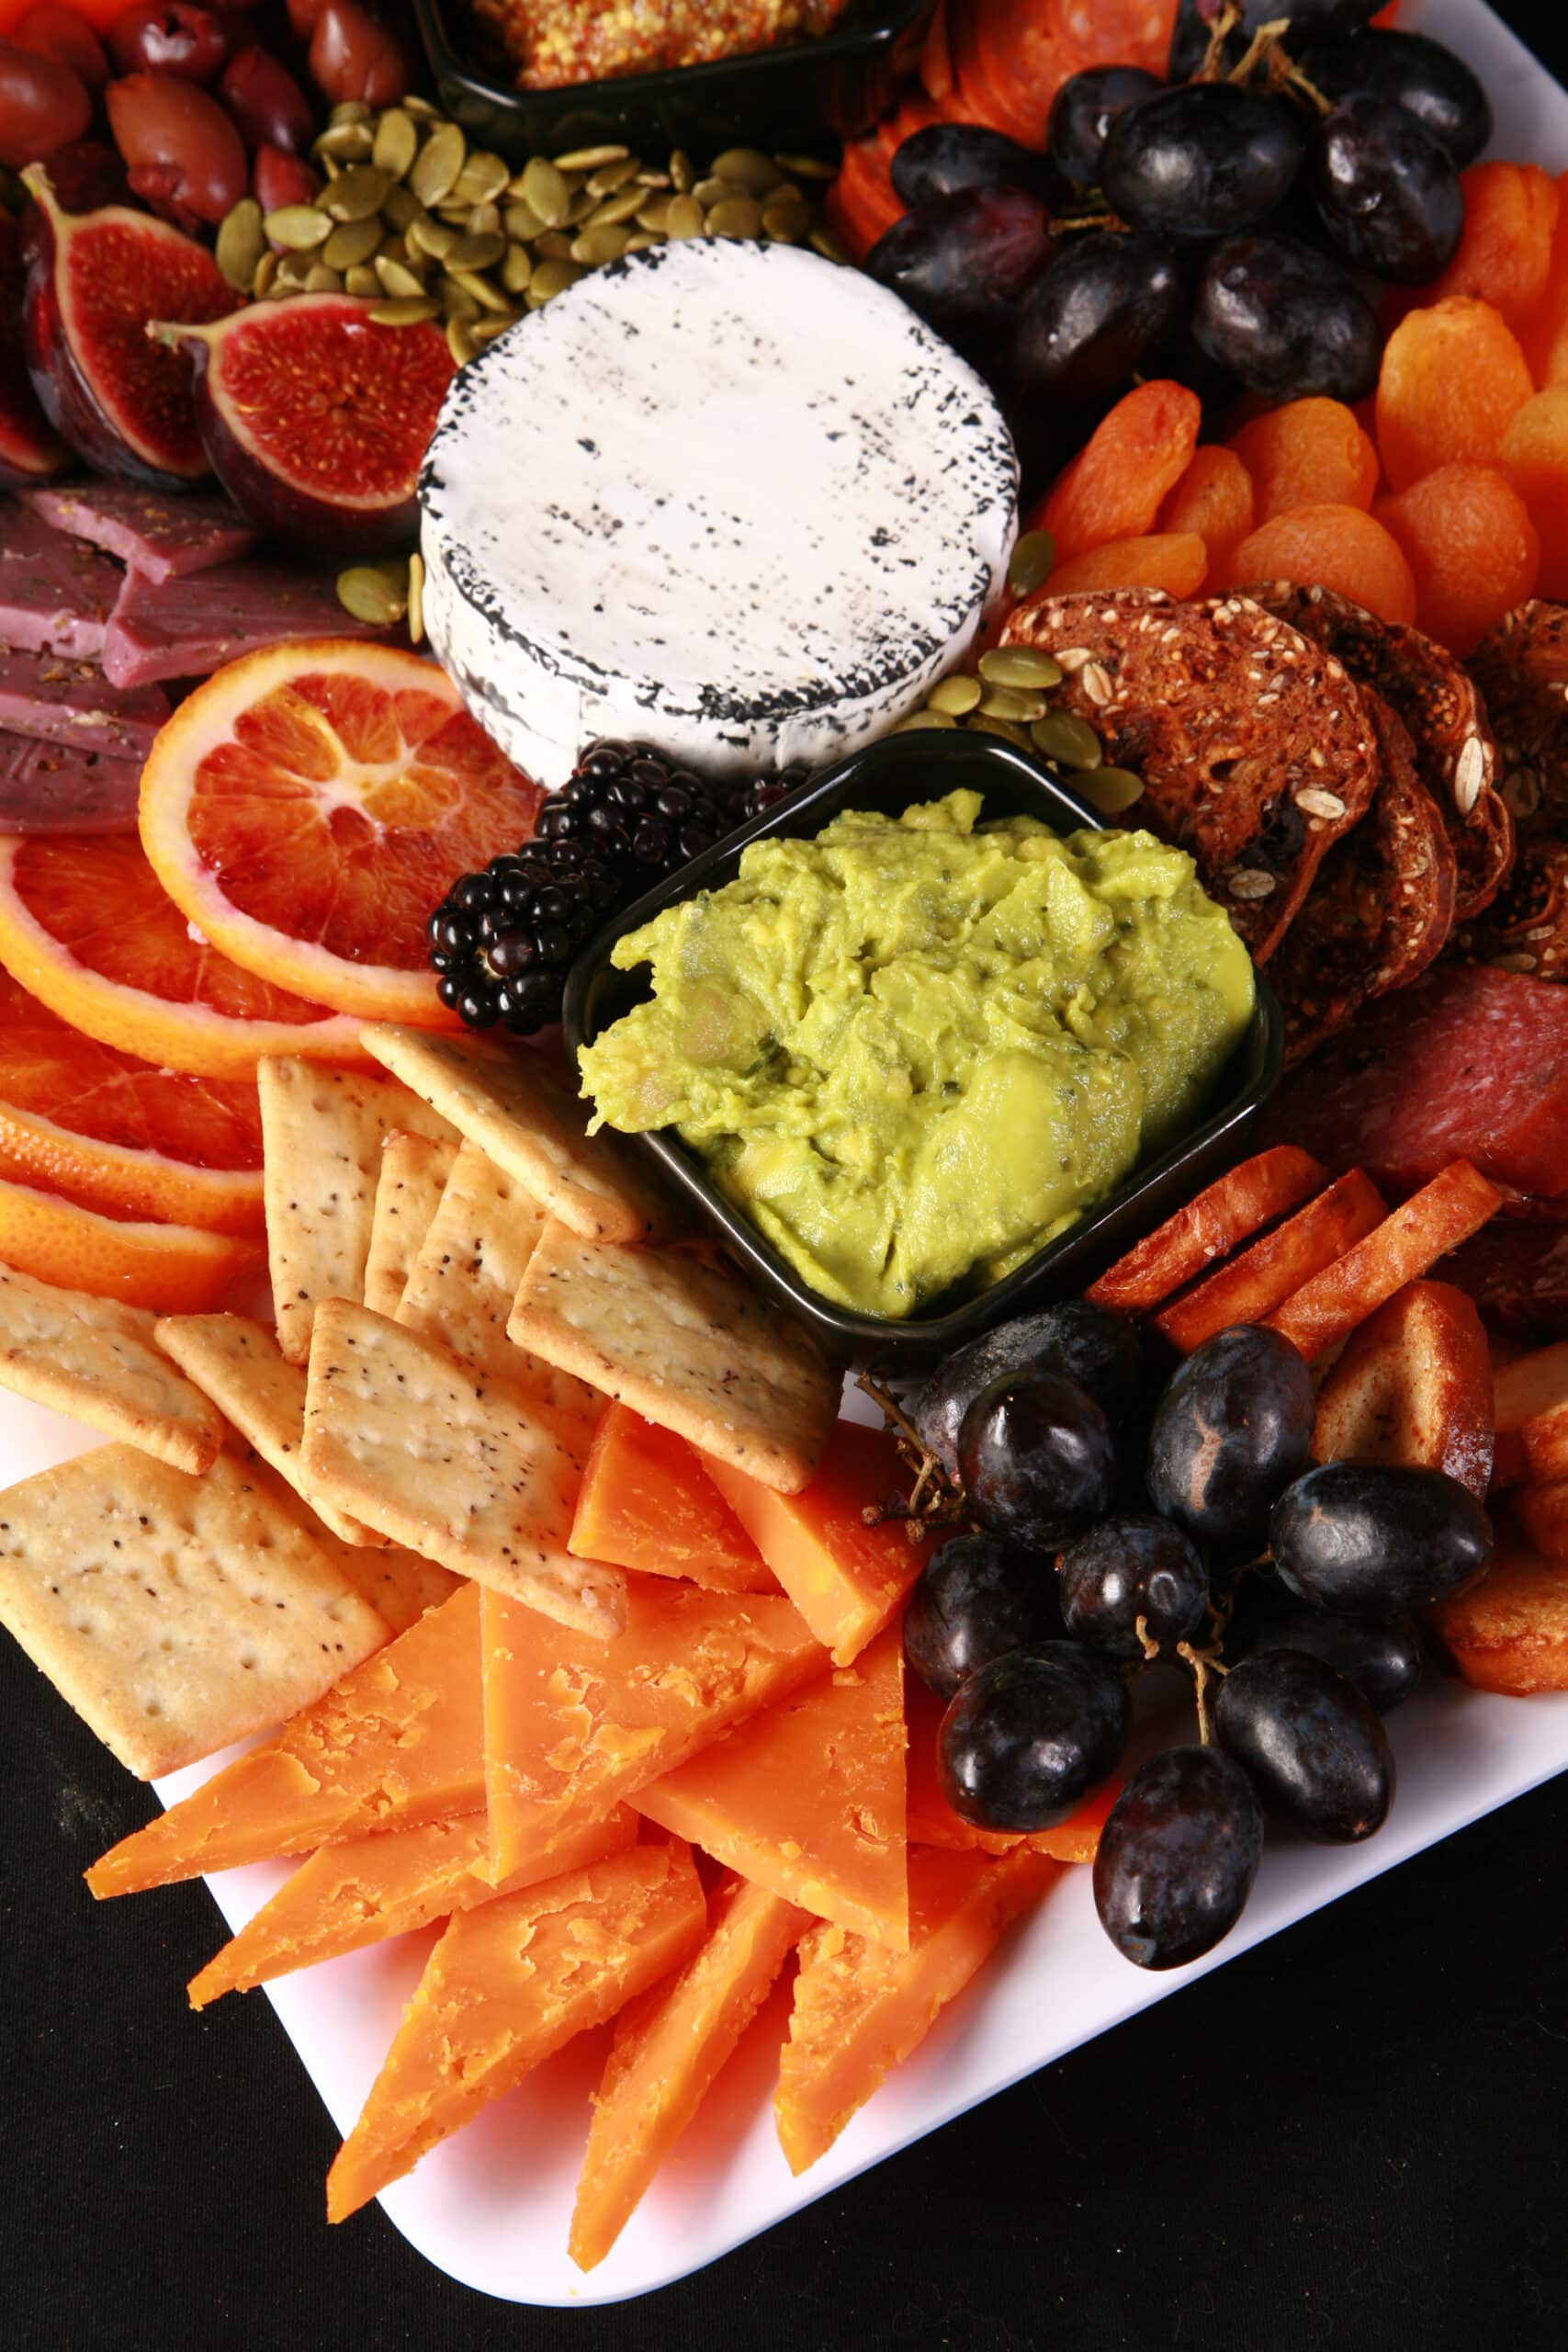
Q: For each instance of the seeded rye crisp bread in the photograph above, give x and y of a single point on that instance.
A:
(237, 1364)
(1255, 747)
(176, 1614)
(682, 1341)
(397, 1583)
(399, 1432)
(321, 1132)
(408, 1191)
(522, 1115)
(1456, 753)
(1521, 667)
(100, 1363)
(461, 1288)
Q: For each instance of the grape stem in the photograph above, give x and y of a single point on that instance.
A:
(1224, 24)
(936, 1500)
(1203, 1663)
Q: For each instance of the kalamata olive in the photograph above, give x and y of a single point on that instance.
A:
(266, 101)
(51, 29)
(278, 178)
(353, 55)
(302, 15)
(185, 158)
(86, 174)
(43, 102)
(170, 37)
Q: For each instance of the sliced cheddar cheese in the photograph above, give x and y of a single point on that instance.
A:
(670, 2046)
(861, 2007)
(507, 1986)
(647, 1503)
(931, 1821)
(366, 1889)
(572, 1726)
(399, 1740)
(809, 1798)
(847, 1579)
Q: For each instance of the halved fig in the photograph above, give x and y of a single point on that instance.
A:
(316, 420)
(29, 451)
(122, 402)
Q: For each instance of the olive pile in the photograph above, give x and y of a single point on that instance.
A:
(1120, 1521)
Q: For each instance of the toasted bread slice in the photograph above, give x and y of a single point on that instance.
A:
(1413, 1386)
(1509, 1632)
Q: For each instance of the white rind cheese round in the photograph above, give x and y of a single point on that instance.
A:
(727, 499)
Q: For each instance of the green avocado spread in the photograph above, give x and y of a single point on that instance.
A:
(914, 1049)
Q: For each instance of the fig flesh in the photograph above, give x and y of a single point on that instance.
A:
(29, 451)
(122, 402)
(185, 157)
(316, 420)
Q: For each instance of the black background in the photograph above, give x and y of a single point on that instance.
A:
(1354, 2136)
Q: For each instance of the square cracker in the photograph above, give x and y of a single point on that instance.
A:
(176, 1614)
(462, 1284)
(686, 1344)
(521, 1113)
(99, 1362)
(237, 1364)
(443, 1460)
(322, 1134)
(408, 1193)
(397, 1585)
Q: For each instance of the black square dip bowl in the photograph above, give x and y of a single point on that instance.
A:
(922, 764)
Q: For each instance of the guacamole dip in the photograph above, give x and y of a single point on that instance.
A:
(914, 1049)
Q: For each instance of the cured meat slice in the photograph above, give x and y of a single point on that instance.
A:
(57, 788)
(1471, 1063)
(1516, 1274)
(159, 536)
(1256, 749)
(1381, 908)
(56, 592)
(1456, 753)
(188, 627)
(59, 700)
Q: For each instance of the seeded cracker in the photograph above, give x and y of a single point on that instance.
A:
(176, 1614)
(687, 1345)
(520, 1113)
(322, 1134)
(396, 1582)
(99, 1362)
(408, 1191)
(400, 1432)
(462, 1285)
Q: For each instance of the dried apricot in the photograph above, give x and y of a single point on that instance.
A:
(1545, 336)
(1309, 453)
(1504, 252)
(1177, 562)
(1452, 375)
(1468, 541)
(1214, 499)
(1331, 547)
(1113, 487)
(1534, 454)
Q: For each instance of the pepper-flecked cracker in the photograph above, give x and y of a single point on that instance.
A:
(512, 1105)
(176, 1614)
(687, 1345)
(322, 1135)
(398, 1584)
(99, 1362)
(414, 1171)
(444, 1460)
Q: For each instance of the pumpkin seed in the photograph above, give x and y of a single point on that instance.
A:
(483, 220)
(292, 271)
(654, 179)
(474, 252)
(396, 249)
(456, 303)
(266, 270)
(1032, 561)
(641, 241)
(612, 177)
(1019, 666)
(685, 218)
(349, 110)
(545, 189)
(554, 246)
(346, 142)
(1010, 701)
(298, 228)
(241, 243)
(398, 279)
(520, 221)
(781, 228)
(551, 278)
(487, 296)
(958, 694)
(1108, 789)
(416, 598)
(421, 109)
(824, 242)
(362, 281)
(927, 717)
(432, 238)
(401, 209)
(365, 591)
(591, 159)
(351, 243)
(1069, 740)
(396, 143)
(579, 211)
(747, 168)
(1008, 727)
(682, 178)
(435, 168)
(319, 279)
(595, 246)
(485, 330)
(331, 168)
(357, 195)
(713, 190)
(737, 216)
(412, 313)
(653, 212)
(805, 167)
(459, 342)
(621, 206)
(482, 178)
(516, 268)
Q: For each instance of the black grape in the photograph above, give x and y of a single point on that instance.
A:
(1285, 319)
(1178, 1857)
(1381, 1655)
(1203, 160)
(1312, 1746)
(1133, 1566)
(1036, 1459)
(975, 1599)
(1100, 1351)
(1230, 1433)
(1094, 313)
(1386, 191)
(1082, 113)
(947, 156)
(1413, 72)
(963, 261)
(1309, 20)
(1370, 1537)
(1029, 1735)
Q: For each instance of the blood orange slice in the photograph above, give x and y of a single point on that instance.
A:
(309, 805)
(171, 1268)
(87, 926)
(110, 1132)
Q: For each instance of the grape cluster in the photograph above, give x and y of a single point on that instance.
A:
(1214, 229)
(1122, 1519)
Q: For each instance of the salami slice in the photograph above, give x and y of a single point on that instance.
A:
(1256, 749)
(1516, 1275)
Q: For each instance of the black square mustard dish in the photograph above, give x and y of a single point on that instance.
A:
(901, 771)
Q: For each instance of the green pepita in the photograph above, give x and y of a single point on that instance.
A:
(824, 242)
(1031, 563)
(516, 268)
(610, 178)
(546, 191)
(927, 717)
(266, 270)
(459, 342)
(356, 195)
(554, 246)
(685, 218)
(396, 143)
(1009, 728)
(620, 206)
(416, 598)
(401, 209)
(1019, 666)
(362, 281)
(346, 142)
(456, 303)
(319, 279)
(520, 221)
(474, 252)
(398, 279)
(551, 278)
(298, 228)
(482, 178)
(483, 220)
(1111, 790)
(591, 159)
(349, 110)
(595, 246)
(409, 313)
(713, 190)
(682, 178)
(434, 169)
(1012, 702)
(1069, 740)
(432, 238)
(485, 330)
(957, 695)
(240, 242)
(641, 241)
(365, 592)
(351, 243)
(487, 296)
(736, 216)
(421, 109)
(653, 212)
(747, 168)
(807, 167)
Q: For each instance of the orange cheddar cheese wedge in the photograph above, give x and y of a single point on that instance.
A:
(508, 1984)
(366, 1889)
(847, 1579)
(670, 2045)
(647, 1503)
(400, 1739)
(809, 1799)
(929, 1820)
(860, 2007)
(574, 1725)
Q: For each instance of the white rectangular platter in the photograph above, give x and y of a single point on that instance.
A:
(491, 2208)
